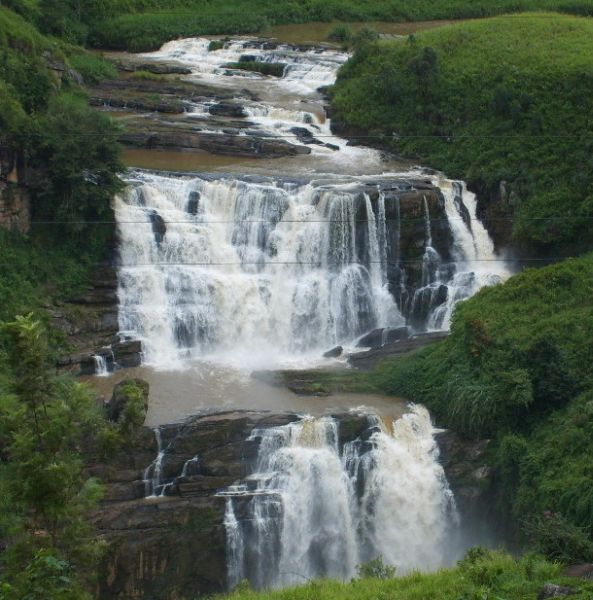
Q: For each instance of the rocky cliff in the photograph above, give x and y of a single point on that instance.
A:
(14, 197)
(173, 544)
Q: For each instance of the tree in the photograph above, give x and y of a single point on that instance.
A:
(79, 158)
(45, 496)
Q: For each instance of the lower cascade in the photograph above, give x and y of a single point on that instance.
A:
(317, 508)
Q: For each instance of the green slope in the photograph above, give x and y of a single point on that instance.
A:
(503, 99)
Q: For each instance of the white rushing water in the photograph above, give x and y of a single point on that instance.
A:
(257, 270)
(314, 510)
(253, 271)
(304, 72)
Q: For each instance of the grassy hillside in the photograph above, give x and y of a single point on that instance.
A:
(504, 99)
(481, 575)
(146, 24)
(517, 368)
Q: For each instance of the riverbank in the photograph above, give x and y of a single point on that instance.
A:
(145, 26)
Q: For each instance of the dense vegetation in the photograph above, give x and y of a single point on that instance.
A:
(504, 99)
(517, 368)
(48, 547)
(480, 575)
(49, 550)
(72, 159)
(146, 24)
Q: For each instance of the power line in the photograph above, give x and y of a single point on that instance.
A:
(299, 221)
(392, 137)
(240, 263)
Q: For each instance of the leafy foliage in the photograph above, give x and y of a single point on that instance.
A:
(554, 536)
(77, 151)
(524, 121)
(376, 569)
(44, 424)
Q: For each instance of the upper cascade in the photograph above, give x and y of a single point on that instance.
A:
(218, 265)
(305, 69)
(321, 248)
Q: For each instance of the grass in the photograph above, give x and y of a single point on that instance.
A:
(92, 68)
(140, 25)
(482, 575)
(272, 69)
(498, 100)
(34, 273)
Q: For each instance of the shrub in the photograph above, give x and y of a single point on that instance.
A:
(216, 45)
(134, 411)
(363, 36)
(556, 538)
(375, 569)
(340, 33)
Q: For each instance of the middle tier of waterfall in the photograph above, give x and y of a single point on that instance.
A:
(214, 264)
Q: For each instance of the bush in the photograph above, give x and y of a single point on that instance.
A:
(134, 412)
(79, 150)
(363, 36)
(216, 45)
(375, 569)
(556, 538)
(340, 33)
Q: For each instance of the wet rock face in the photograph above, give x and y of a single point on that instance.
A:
(551, 590)
(174, 546)
(14, 196)
(380, 337)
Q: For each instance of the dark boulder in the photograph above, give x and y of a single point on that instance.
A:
(193, 203)
(159, 227)
(227, 109)
(584, 571)
(334, 352)
(128, 353)
(382, 336)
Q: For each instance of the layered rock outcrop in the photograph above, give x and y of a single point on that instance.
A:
(14, 196)
(172, 544)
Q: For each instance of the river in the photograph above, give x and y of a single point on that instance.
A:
(247, 264)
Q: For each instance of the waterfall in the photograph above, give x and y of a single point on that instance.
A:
(101, 369)
(223, 266)
(304, 72)
(153, 474)
(476, 263)
(314, 510)
(210, 265)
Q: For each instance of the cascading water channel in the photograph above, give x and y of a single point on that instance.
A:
(312, 509)
(227, 266)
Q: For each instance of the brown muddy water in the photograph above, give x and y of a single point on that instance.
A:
(204, 387)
